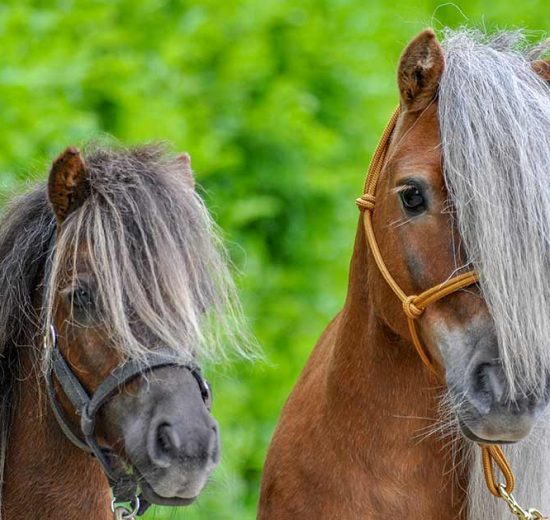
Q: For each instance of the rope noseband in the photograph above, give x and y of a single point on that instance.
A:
(415, 305)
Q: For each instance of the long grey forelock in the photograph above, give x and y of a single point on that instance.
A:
(162, 274)
(494, 114)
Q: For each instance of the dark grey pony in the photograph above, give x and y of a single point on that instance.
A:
(112, 261)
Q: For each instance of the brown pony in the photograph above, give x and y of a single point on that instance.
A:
(109, 276)
(368, 431)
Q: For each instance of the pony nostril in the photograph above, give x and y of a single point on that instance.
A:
(164, 445)
(486, 386)
(480, 393)
(168, 440)
(546, 395)
(479, 380)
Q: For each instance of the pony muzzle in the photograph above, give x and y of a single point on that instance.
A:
(170, 438)
(488, 413)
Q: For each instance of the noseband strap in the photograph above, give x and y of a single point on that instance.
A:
(415, 305)
(125, 487)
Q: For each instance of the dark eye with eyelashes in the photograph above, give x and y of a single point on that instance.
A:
(82, 304)
(412, 199)
(81, 298)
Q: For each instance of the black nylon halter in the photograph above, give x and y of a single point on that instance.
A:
(124, 485)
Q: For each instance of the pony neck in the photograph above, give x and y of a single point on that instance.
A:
(387, 403)
(45, 473)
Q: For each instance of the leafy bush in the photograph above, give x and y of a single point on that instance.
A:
(279, 103)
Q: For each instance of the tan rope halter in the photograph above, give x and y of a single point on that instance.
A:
(414, 306)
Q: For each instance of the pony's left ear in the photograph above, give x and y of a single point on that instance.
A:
(420, 70)
(185, 162)
(68, 183)
(542, 68)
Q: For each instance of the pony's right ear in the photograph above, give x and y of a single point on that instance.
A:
(542, 68)
(68, 183)
(419, 72)
(185, 162)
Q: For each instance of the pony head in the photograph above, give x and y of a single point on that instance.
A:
(137, 266)
(465, 186)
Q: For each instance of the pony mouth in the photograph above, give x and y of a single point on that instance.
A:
(151, 496)
(470, 435)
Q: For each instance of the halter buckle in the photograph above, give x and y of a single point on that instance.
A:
(87, 422)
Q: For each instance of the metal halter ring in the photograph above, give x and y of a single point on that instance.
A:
(50, 338)
(124, 512)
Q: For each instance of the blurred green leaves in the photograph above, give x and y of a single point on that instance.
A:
(280, 104)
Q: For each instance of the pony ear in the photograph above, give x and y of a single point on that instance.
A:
(185, 161)
(420, 70)
(542, 68)
(68, 183)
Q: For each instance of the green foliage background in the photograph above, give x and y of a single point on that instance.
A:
(279, 103)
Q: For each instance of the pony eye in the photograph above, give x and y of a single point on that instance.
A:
(413, 200)
(82, 298)
(207, 395)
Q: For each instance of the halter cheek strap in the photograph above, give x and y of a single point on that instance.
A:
(415, 305)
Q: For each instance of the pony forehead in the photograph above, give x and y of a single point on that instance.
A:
(118, 161)
(140, 173)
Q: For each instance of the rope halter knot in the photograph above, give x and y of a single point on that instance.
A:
(411, 310)
(366, 201)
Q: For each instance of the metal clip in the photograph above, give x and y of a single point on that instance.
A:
(516, 509)
(50, 338)
(123, 511)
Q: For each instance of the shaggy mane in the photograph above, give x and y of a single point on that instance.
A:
(161, 271)
(494, 115)
(25, 234)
